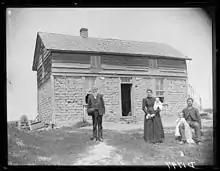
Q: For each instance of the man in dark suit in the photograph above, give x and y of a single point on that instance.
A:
(192, 116)
(96, 108)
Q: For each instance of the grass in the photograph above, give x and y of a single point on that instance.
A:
(62, 146)
(132, 146)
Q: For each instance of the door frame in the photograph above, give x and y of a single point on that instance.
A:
(131, 82)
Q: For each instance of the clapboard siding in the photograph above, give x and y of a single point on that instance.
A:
(125, 61)
(171, 63)
(70, 58)
(44, 66)
(47, 66)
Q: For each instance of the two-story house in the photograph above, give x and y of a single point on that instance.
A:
(67, 66)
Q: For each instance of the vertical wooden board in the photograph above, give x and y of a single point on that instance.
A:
(151, 63)
(95, 64)
(93, 61)
(98, 62)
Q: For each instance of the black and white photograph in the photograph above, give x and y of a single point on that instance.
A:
(109, 86)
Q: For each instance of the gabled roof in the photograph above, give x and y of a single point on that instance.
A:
(60, 42)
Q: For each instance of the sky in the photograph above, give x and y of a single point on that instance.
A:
(188, 30)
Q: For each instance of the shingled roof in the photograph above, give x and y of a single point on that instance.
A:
(54, 41)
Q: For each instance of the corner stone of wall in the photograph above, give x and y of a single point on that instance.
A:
(45, 102)
(176, 96)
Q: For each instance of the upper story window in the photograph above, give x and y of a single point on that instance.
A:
(96, 62)
(153, 63)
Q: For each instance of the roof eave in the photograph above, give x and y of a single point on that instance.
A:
(34, 65)
(115, 53)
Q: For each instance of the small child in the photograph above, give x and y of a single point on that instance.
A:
(188, 132)
(158, 104)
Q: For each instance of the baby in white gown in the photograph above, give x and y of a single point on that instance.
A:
(188, 131)
(157, 105)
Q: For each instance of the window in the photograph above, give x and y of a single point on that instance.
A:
(126, 79)
(153, 63)
(96, 62)
(160, 89)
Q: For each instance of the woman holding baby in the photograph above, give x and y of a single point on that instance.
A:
(153, 128)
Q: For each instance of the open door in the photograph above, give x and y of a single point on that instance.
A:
(126, 99)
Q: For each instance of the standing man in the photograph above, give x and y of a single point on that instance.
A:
(96, 108)
(192, 116)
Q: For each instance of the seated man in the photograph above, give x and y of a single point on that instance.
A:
(191, 115)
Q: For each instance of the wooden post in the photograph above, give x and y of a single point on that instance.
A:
(29, 124)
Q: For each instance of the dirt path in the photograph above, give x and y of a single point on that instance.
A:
(100, 154)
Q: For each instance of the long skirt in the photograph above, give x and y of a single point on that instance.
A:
(153, 129)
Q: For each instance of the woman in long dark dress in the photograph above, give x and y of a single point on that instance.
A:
(153, 128)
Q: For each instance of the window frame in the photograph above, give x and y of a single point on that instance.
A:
(95, 62)
(126, 80)
(153, 63)
(160, 92)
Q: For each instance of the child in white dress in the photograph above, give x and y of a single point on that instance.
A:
(157, 105)
(188, 131)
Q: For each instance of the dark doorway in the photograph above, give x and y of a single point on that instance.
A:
(126, 99)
